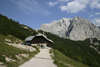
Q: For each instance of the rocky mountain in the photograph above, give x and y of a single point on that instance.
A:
(74, 29)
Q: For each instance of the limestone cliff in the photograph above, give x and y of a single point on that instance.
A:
(74, 29)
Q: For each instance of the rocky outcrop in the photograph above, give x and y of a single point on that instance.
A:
(74, 29)
(23, 47)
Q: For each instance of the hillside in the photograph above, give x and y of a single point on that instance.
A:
(78, 50)
(11, 27)
(11, 56)
(75, 28)
(13, 33)
(62, 60)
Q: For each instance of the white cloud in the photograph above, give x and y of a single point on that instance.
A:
(96, 21)
(30, 6)
(75, 6)
(91, 15)
(58, 2)
(90, 12)
(52, 3)
(97, 13)
(95, 4)
(64, 0)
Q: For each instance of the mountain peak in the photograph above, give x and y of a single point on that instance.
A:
(74, 29)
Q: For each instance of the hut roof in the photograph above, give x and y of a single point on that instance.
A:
(31, 37)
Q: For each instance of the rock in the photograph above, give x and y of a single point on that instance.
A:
(25, 55)
(7, 40)
(23, 47)
(2, 64)
(96, 49)
(18, 57)
(74, 29)
(9, 59)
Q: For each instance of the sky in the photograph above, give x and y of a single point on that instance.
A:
(34, 13)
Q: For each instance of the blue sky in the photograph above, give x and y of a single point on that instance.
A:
(34, 13)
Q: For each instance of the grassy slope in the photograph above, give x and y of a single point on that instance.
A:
(10, 51)
(11, 27)
(63, 61)
(13, 32)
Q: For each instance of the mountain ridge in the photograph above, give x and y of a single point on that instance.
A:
(75, 28)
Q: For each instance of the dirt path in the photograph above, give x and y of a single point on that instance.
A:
(42, 59)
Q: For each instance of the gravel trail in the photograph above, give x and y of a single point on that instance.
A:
(42, 59)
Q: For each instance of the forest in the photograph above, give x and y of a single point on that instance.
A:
(77, 50)
(11, 27)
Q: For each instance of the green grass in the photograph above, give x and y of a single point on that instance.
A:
(21, 61)
(63, 61)
(36, 48)
(50, 50)
(10, 52)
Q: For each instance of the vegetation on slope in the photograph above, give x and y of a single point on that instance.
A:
(77, 50)
(11, 27)
(63, 61)
(7, 51)
(96, 42)
(13, 32)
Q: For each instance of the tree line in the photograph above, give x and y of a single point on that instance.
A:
(9, 26)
